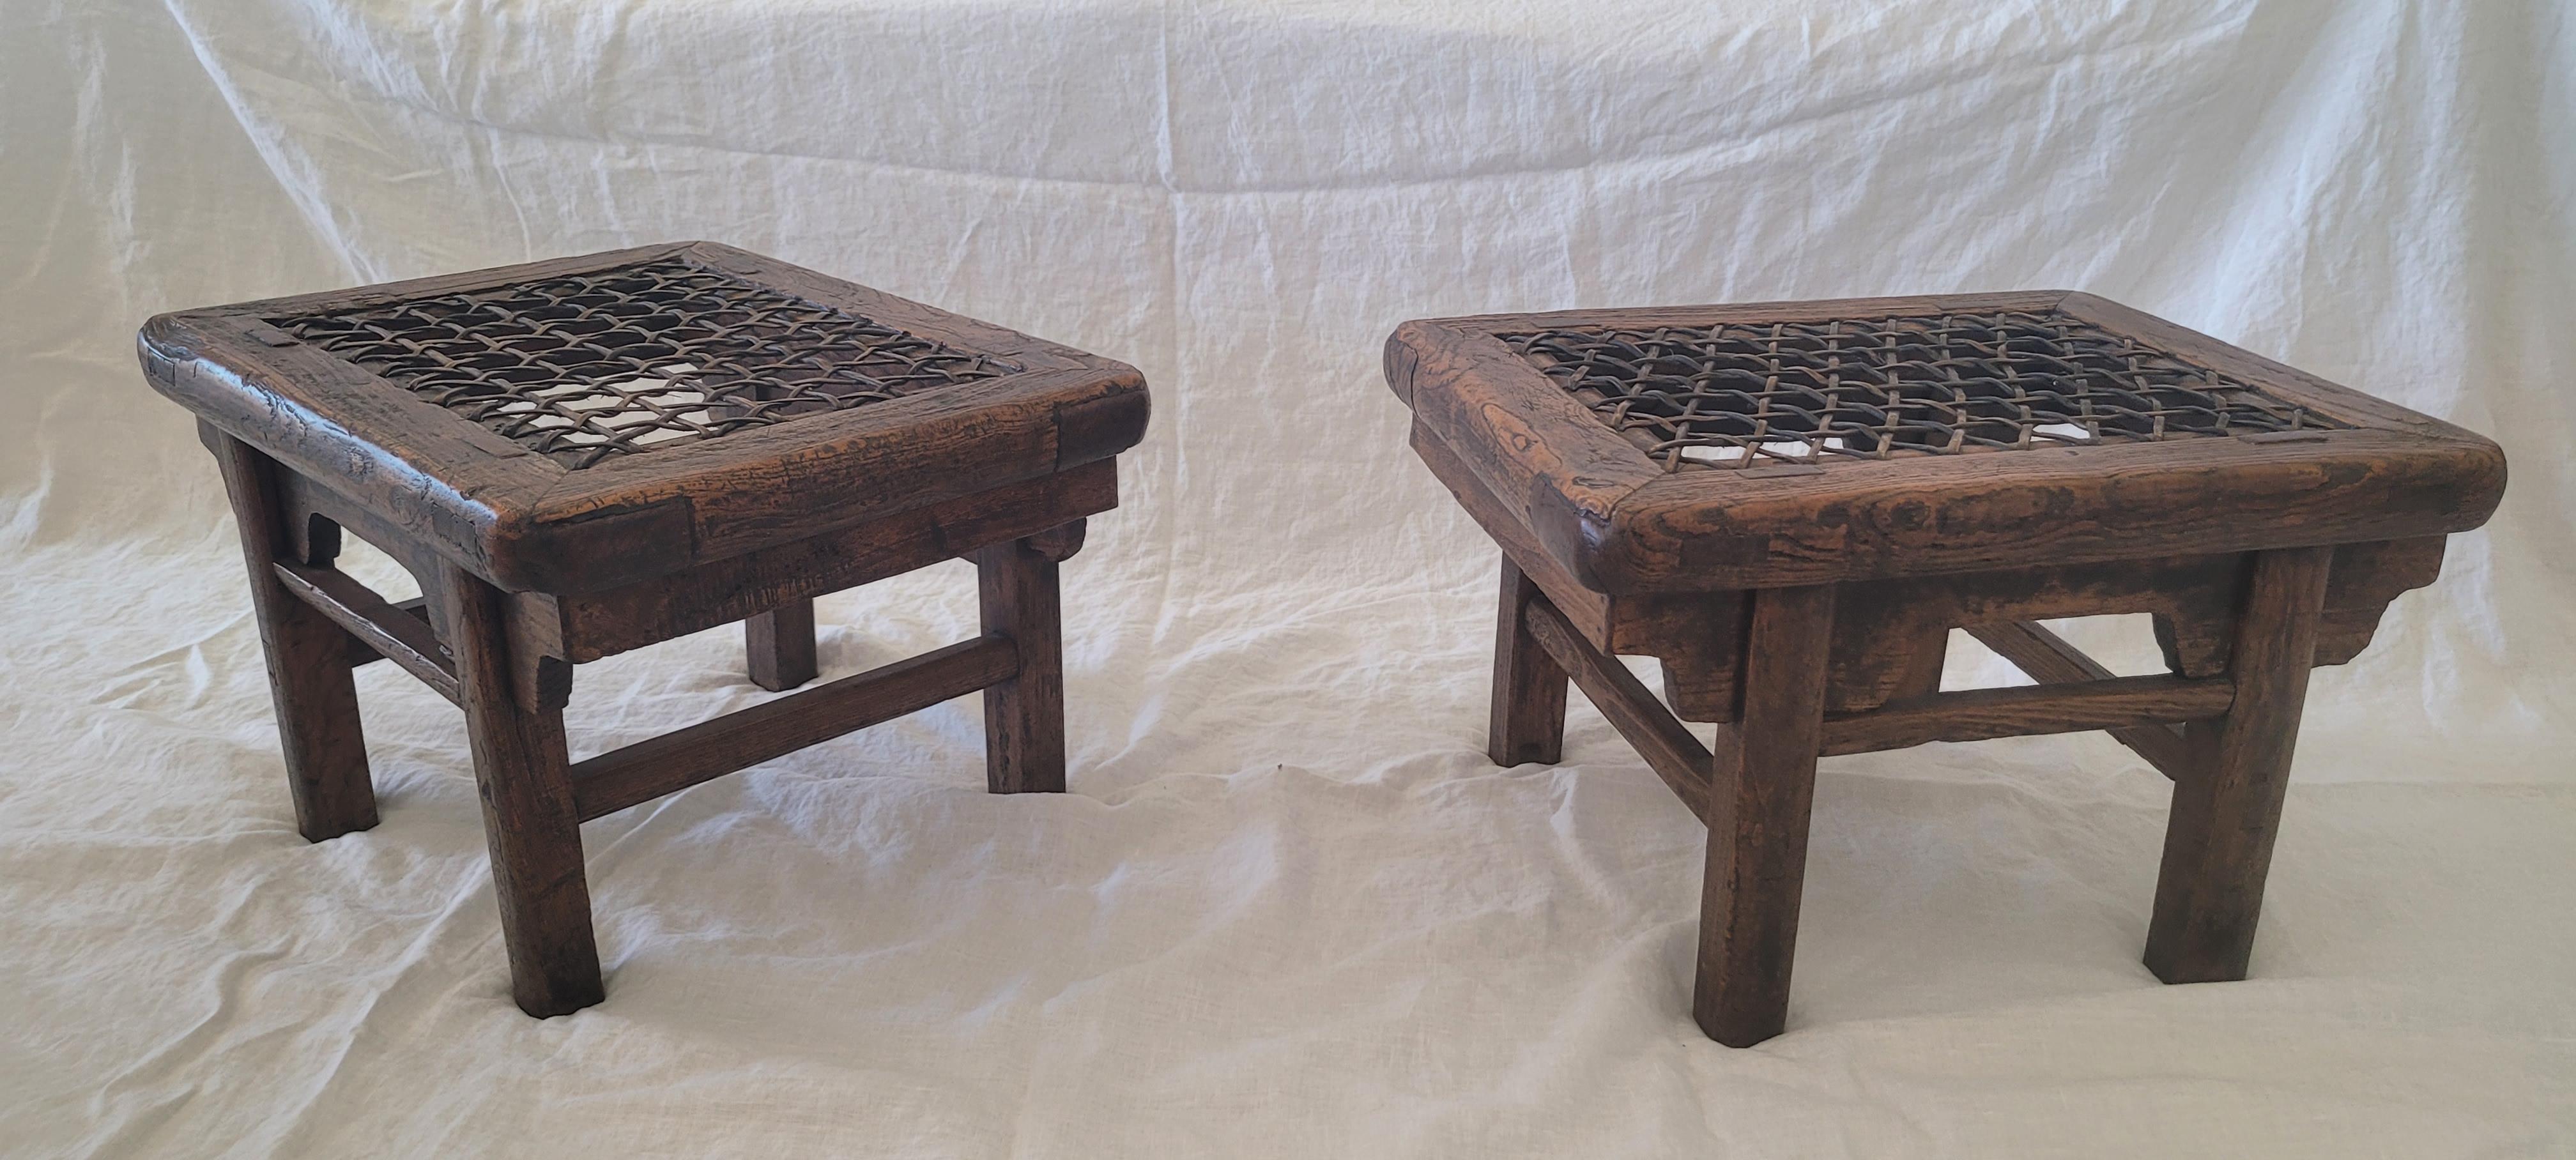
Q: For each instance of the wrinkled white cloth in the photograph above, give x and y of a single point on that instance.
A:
(1288, 909)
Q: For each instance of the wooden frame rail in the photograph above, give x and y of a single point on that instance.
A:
(2029, 710)
(388, 629)
(1666, 744)
(361, 653)
(2049, 659)
(538, 554)
(2075, 694)
(710, 749)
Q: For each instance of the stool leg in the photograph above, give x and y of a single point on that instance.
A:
(780, 643)
(529, 818)
(1527, 722)
(2218, 845)
(308, 660)
(1758, 802)
(1024, 716)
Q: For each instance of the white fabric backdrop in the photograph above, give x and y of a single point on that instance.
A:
(1288, 909)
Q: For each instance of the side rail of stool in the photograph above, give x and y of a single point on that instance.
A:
(393, 632)
(674, 761)
(2224, 739)
(2075, 695)
(506, 659)
(2047, 658)
(710, 749)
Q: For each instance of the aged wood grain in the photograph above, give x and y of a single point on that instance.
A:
(1588, 609)
(526, 523)
(779, 646)
(309, 684)
(2365, 578)
(2049, 659)
(1699, 636)
(386, 630)
(1024, 713)
(1758, 806)
(530, 566)
(1967, 513)
(1527, 718)
(2027, 710)
(682, 758)
(2218, 845)
(530, 819)
(590, 625)
(1669, 749)
(1888, 634)
(1806, 607)
(1619, 523)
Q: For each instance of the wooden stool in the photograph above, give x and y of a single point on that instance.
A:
(580, 457)
(1791, 505)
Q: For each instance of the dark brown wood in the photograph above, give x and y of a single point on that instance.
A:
(361, 653)
(1699, 636)
(1889, 642)
(530, 819)
(1758, 806)
(591, 625)
(1806, 606)
(308, 499)
(2218, 845)
(780, 646)
(2365, 578)
(480, 500)
(1668, 747)
(308, 670)
(674, 761)
(1559, 474)
(385, 629)
(1060, 542)
(2027, 710)
(1618, 522)
(311, 539)
(2049, 659)
(845, 436)
(1527, 721)
(2121, 502)
(1889, 634)
(1588, 609)
(1023, 715)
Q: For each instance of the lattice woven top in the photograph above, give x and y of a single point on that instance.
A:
(585, 367)
(1734, 395)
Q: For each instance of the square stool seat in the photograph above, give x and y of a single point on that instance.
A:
(540, 422)
(584, 456)
(1792, 505)
(1752, 446)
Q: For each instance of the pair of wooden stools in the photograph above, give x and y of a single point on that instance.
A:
(1789, 505)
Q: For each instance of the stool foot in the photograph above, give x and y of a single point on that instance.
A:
(309, 678)
(2218, 845)
(1024, 716)
(529, 817)
(1527, 722)
(1761, 791)
(780, 646)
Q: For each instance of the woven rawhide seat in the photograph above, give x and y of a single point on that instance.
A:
(1792, 505)
(584, 456)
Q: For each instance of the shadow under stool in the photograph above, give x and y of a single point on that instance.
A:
(584, 456)
(1791, 505)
